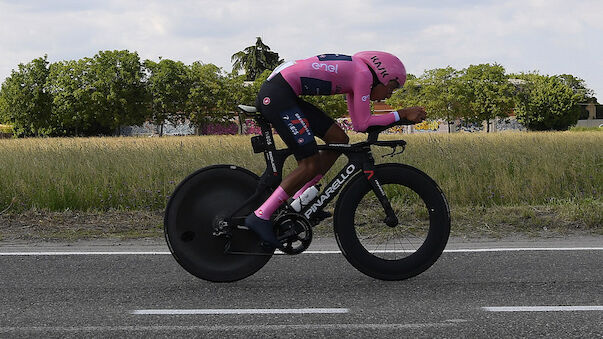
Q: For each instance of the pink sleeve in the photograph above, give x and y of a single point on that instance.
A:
(359, 105)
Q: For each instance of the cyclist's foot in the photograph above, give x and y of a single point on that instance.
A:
(264, 230)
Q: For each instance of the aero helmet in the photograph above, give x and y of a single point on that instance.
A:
(386, 66)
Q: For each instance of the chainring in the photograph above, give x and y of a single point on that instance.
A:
(294, 231)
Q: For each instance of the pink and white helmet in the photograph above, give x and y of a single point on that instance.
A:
(386, 66)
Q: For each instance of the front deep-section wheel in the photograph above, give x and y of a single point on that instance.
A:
(201, 201)
(402, 251)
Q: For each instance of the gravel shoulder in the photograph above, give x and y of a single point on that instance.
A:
(122, 226)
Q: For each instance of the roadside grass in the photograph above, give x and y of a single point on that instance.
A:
(583, 129)
(516, 181)
(36, 224)
(498, 221)
(141, 173)
(552, 220)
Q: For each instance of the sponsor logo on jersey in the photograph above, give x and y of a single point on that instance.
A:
(379, 66)
(303, 122)
(292, 129)
(325, 67)
(365, 97)
(271, 159)
(298, 125)
(266, 101)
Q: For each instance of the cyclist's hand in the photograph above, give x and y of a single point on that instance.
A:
(415, 114)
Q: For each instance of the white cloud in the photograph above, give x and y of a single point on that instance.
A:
(551, 36)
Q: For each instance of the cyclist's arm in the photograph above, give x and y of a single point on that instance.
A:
(360, 112)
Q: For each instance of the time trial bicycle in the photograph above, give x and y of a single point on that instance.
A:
(391, 220)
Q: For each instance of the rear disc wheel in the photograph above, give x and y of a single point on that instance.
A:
(197, 205)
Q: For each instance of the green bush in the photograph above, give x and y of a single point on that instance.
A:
(7, 129)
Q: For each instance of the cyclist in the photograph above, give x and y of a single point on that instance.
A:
(365, 76)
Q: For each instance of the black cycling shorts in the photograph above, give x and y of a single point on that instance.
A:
(295, 120)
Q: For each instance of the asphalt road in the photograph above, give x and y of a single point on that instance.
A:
(99, 295)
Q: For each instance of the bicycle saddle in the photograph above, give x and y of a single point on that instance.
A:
(248, 109)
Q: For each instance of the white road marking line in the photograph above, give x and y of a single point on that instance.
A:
(244, 311)
(542, 308)
(466, 250)
(50, 253)
(279, 327)
(524, 249)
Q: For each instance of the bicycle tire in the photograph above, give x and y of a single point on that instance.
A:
(420, 205)
(205, 195)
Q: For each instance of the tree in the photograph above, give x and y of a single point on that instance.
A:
(168, 86)
(547, 103)
(3, 109)
(74, 112)
(409, 95)
(25, 102)
(487, 91)
(255, 59)
(119, 96)
(579, 87)
(438, 90)
(206, 94)
(237, 91)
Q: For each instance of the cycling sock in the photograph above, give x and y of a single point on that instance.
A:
(269, 206)
(307, 185)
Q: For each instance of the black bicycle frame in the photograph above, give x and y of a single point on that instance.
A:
(359, 156)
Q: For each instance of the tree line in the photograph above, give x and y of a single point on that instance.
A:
(100, 94)
(484, 92)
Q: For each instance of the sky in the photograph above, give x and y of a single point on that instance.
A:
(552, 37)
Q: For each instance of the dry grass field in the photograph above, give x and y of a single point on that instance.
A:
(477, 171)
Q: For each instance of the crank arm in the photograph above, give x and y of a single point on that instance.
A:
(227, 250)
(247, 253)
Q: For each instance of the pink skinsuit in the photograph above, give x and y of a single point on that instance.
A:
(329, 74)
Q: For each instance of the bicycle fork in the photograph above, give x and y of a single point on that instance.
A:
(369, 171)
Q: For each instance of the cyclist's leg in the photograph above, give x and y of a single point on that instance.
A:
(278, 104)
(325, 128)
(296, 131)
(326, 159)
(283, 109)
